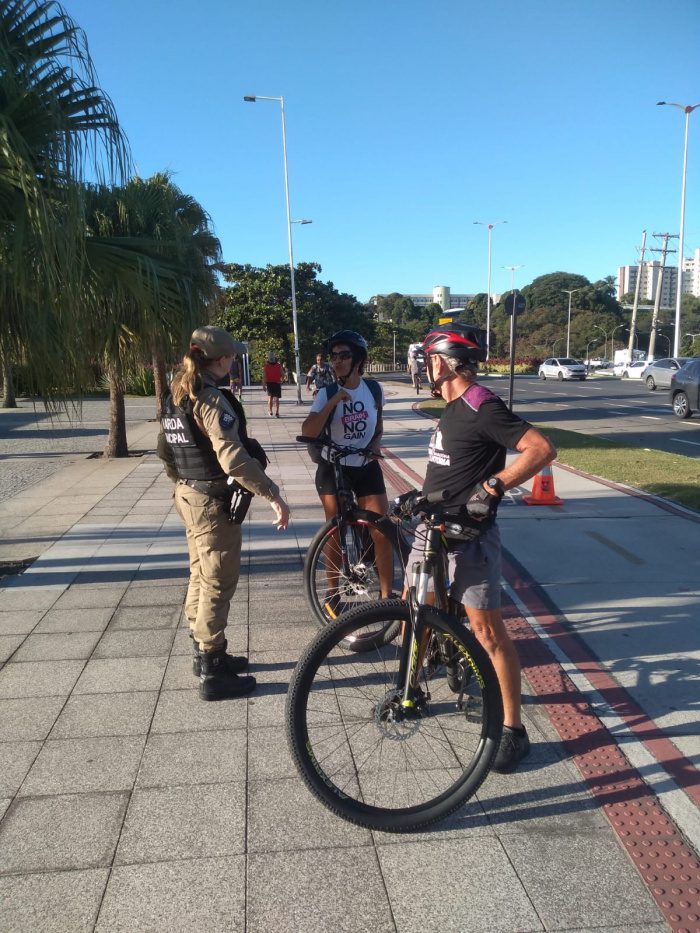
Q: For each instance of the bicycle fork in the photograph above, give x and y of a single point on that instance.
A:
(414, 646)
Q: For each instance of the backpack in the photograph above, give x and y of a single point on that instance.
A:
(374, 388)
(323, 375)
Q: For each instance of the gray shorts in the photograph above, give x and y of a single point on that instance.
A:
(474, 569)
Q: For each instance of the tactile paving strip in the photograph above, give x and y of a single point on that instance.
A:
(664, 861)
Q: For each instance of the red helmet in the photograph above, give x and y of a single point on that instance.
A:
(466, 344)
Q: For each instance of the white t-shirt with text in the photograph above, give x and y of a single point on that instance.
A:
(354, 421)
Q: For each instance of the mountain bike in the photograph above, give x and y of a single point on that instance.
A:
(400, 736)
(340, 571)
(417, 380)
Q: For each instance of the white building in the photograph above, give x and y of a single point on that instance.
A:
(441, 295)
(627, 281)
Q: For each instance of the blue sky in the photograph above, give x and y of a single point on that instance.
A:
(407, 121)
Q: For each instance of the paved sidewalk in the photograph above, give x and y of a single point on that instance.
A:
(131, 805)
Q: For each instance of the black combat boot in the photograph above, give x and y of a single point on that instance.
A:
(217, 681)
(236, 664)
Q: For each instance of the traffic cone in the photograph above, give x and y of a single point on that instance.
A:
(543, 489)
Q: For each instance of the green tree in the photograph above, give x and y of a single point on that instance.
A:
(256, 306)
(56, 127)
(151, 275)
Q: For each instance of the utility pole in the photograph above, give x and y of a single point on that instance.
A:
(657, 302)
(633, 324)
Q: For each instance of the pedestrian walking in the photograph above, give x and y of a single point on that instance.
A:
(320, 375)
(207, 452)
(273, 375)
(235, 376)
(467, 457)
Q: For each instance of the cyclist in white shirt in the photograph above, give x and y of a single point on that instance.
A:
(351, 413)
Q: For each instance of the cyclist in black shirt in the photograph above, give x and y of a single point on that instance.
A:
(467, 456)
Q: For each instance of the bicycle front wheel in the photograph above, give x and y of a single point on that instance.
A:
(366, 757)
(341, 572)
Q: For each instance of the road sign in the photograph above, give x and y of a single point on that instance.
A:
(519, 301)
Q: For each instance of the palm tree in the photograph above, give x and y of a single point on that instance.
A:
(151, 258)
(56, 128)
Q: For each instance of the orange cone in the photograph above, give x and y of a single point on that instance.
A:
(543, 489)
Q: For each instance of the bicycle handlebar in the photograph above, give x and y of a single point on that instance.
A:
(338, 448)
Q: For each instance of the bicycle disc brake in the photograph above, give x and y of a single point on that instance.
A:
(393, 721)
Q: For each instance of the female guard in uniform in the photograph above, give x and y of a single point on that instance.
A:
(203, 442)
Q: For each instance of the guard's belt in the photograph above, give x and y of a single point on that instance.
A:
(215, 487)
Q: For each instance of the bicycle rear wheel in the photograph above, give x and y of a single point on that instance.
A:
(340, 571)
(365, 757)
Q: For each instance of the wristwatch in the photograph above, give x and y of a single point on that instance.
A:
(494, 483)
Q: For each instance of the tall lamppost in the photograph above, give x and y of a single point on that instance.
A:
(693, 338)
(588, 353)
(687, 110)
(569, 292)
(666, 338)
(251, 99)
(612, 337)
(489, 227)
(605, 351)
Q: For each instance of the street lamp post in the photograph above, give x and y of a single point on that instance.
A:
(588, 353)
(569, 292)
(489, 227)
(612, 337)
(693, 338)
(251, 99)
(687, 110)
(605, 351)
(666, 338)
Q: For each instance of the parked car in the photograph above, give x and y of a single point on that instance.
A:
(634, 370)
(685, 389)
(562, 368)
(659, 373)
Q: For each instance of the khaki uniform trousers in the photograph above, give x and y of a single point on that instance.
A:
(214, 545)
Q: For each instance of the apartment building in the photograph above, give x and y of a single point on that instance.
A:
(651, 272)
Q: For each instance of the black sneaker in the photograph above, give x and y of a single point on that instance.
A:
(513, 748)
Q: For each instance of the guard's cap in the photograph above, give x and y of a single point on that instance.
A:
(215, 342)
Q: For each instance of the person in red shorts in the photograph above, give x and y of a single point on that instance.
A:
(273, 374)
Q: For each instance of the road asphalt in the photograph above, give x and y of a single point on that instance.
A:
(131, 805)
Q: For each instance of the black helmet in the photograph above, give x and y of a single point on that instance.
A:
(465, 344)
(351, 338)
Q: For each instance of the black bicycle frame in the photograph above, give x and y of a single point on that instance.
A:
(432, 566)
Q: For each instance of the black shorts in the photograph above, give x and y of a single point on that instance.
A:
(274, 389)
(367, 480)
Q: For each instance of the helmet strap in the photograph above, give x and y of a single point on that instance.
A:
(445, 377)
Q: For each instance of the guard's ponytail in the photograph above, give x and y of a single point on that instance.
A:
(188, 379)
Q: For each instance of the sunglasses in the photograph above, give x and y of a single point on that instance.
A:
(343, 355)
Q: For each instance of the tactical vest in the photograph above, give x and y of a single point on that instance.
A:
(192, 450)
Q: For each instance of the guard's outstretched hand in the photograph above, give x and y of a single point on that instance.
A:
(281, 510)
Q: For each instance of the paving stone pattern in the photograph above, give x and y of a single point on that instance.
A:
(131, 805)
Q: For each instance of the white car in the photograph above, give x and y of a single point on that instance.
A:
(562, 368)
(634, 370)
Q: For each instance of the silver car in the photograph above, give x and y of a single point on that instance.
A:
(660, 372)
(557, 367)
